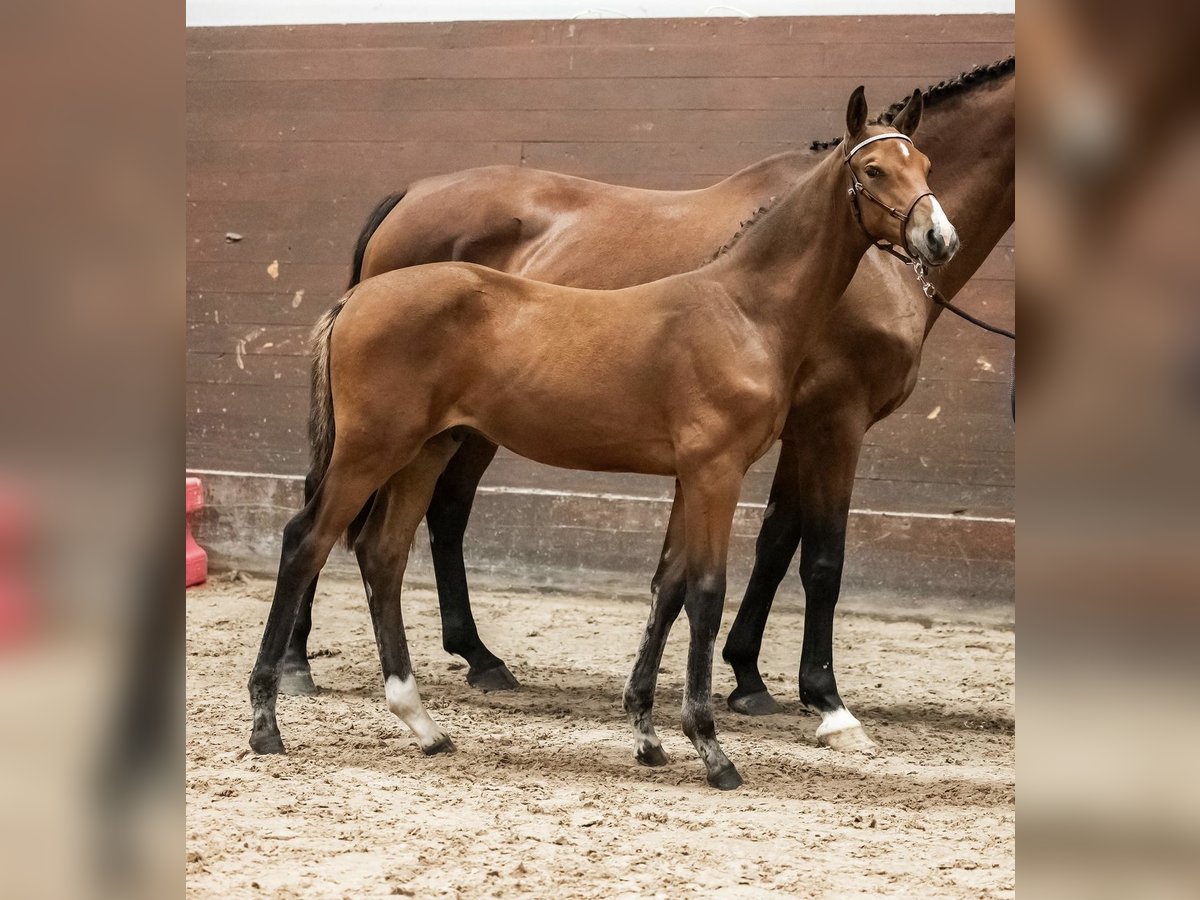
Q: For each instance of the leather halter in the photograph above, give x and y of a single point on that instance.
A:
(858, 189)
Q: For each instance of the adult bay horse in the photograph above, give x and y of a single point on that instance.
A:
(690, 376)
(571, 231)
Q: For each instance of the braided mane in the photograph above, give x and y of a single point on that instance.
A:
(932, 95)
(939, 93)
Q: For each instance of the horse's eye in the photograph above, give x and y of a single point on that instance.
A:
(873, 172)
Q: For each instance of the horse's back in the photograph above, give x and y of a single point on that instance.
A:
(545, 225)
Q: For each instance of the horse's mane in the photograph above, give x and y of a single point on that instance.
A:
(932, 95)
(939, 93)
(745, 226)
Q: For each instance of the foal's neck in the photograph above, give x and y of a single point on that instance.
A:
(789, 268)
(767, 178)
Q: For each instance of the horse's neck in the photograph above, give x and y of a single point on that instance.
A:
(793, 264)
(767, 178)
(971, 142)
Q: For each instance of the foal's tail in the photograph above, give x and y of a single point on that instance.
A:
(320, 412)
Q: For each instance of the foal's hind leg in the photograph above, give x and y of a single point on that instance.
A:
(307, 540)
(447, 518)
(382, 550)
(667, 589)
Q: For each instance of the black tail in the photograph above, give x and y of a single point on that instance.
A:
(374, 220)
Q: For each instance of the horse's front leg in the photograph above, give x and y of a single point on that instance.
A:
(710, 500)
(826, 467)
(447, 516)
(777, 542)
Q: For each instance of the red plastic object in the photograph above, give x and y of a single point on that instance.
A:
(196, 564)
(16, 551)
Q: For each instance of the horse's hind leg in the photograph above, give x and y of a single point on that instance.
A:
(307, 540)
(449, 510)
(295, 676)
(382, 550)
(667, 589)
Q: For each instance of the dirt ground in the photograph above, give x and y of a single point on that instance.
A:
(543, 797)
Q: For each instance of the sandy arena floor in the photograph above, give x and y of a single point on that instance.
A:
(543, 797)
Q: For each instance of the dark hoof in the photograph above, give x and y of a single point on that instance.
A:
(266, 742)
(653, 757)
(757, 704)
(726, 780)
(298, 683)
(445, 745)
(497, 678)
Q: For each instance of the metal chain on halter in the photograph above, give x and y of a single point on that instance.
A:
(857, 189)
(936, 296)
(930, 290)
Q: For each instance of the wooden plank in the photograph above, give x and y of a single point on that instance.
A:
(555, 536)
(393, 95)
(475, 126)
(911, 58)
(317, 243)
(952, 29)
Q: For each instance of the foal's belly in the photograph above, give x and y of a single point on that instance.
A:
(576, 436)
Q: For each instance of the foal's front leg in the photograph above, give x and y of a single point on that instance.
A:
(667, 591)
(710, 501)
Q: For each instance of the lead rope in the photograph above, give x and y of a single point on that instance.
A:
(931, 291)
(936, 296)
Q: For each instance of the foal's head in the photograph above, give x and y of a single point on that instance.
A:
(888, 172)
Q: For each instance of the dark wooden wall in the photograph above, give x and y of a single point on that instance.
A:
(295, 132)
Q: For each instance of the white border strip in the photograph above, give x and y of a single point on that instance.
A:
(206, 13)
(589, 495)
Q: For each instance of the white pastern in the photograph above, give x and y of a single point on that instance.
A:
(838, 720)
(405, 701)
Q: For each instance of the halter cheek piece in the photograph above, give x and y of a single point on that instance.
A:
(858, 189)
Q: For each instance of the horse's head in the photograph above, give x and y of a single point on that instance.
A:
(889, 172)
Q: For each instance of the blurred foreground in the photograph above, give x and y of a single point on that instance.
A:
(1109, 535)
(91, 687)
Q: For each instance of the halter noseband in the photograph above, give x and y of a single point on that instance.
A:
(858, 189)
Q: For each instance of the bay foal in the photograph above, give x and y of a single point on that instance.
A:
(690, 376)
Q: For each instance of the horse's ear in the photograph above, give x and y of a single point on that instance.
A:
(907, 120)
(856, 112)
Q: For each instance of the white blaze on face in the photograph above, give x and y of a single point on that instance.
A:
(938, 225)
(405, 701)
(941, 224)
